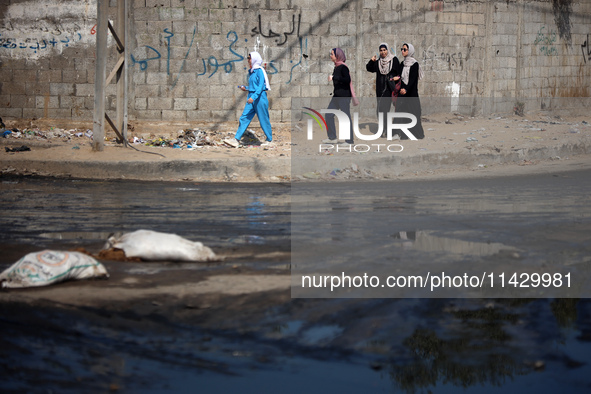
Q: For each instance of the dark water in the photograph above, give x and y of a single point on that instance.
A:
(274, 343)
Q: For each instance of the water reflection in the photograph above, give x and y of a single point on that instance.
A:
(487, 229)
(427, 241)
(37, 210)
(242, 343)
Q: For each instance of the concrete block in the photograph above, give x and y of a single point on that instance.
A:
(82, 114)
(58, 114)
(275, 115)
(174, 116)
(157, 3)
(71, 102)
(193, 116)
(460, 29)
(146, 91)
(27, 113)
(74, 76)
(156, 78)
(161, 103)
(221, 116)
(337, 29)
(153, 115)
(17, 101)
(50, 75)
(210, 104)
(11, 88)
(185, 103)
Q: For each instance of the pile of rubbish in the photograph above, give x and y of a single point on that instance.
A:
(193, 138)
(186, 139)
(52, 133)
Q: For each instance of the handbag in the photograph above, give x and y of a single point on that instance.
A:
(396, 91)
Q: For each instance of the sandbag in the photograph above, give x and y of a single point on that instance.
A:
(155, 246)
(51, 266)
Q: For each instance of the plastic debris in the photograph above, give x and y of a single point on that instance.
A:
(50, 266)
(155, 246)
(22, 148)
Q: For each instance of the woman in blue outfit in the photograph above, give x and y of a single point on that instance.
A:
(257, 103)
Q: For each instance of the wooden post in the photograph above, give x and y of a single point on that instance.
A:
(122, 22)
(98, 132)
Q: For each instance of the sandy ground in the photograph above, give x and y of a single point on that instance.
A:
(534, 140)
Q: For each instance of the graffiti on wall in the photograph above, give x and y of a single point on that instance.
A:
(209, 66)
(586, 48)
(436, 60)
(32, 29)
(546, 41)
(37, 44)
(257, 30)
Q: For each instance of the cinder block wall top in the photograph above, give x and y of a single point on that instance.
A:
(186, 57)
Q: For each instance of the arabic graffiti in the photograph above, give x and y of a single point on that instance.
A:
(258, 30)
(453, 60)
(212, 64)
(36, 44)
(547, 40)
(146, 54)
(586, 53)
(302, 56)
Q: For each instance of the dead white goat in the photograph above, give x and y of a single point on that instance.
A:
(155, 246)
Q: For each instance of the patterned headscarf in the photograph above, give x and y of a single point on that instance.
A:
(385, 64)
(409, 60)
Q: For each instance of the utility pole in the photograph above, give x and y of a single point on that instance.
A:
(119, 71)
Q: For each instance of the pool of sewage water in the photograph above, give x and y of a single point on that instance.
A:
(271, 342)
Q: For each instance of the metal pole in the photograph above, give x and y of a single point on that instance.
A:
(122, 13)
(98, 132)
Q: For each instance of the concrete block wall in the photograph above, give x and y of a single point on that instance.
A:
(188, 56)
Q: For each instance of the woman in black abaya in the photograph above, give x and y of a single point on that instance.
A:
(386, 68)
(408, 98)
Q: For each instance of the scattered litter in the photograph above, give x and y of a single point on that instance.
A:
(22, 148)
(311, 175)
(471, 139)
(231, 141)
(155, 246)
(50, 266)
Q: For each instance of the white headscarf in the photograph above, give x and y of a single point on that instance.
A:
(256, 61)
(409, 60)
(385, 64)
